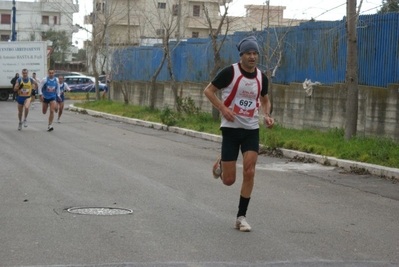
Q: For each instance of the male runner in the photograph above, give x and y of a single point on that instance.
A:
(243, 86)
(49, 92)
(23, 88)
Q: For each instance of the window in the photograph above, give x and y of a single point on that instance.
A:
(161, 5)
(45, 20)
(196, 10)
(55, 20)
(160, 32)
(175, 10)
(100, 7)
(195, 34)
(5, 38)
(5, 19)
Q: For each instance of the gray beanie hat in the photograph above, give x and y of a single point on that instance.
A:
(248, 44)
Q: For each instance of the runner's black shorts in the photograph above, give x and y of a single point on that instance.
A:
(33, 92)
(233, 139)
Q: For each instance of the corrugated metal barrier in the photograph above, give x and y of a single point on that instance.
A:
(312, 50)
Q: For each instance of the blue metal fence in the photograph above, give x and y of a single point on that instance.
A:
(313, 50)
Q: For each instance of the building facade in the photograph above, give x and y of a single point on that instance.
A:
(145, 23)
(141, 22)
(259, 17)
(34, 19)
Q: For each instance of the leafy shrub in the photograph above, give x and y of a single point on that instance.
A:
(187, 105)
(168, 116)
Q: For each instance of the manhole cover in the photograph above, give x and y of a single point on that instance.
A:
(100, 211)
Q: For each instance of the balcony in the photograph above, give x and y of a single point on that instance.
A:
(5, 27)
(200, 23)
(56, 27)
(45, 27)
(114, 20)
(57, 6)
(221, 2)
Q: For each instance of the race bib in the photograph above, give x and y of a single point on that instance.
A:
(24, 92)
(50, 89)
(244, 107)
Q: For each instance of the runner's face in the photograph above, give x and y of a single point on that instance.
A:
(25, 74)
(249, 60)
(51, 74)
(60, 79)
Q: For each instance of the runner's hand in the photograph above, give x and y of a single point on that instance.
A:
(268, 122)
(228, 114)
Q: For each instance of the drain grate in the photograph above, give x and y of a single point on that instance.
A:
(99, 211)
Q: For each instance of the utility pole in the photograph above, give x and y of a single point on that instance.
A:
(351, 71)
(107, 20)
(14, 21)
(128, 22)
(178, 21)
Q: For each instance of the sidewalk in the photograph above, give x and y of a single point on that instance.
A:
(348, 165)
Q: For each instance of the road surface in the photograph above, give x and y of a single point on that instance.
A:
(301, 214)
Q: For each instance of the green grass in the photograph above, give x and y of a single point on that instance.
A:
(374, 150)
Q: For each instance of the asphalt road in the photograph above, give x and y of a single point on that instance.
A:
(301, 214)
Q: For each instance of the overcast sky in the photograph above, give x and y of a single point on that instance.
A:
(317, 9)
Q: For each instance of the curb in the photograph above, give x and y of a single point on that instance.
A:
(348, 165)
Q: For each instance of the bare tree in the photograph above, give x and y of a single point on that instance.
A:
(120, 61)
(273, 54)
(164, 24)
(215, 31)
(104, 17)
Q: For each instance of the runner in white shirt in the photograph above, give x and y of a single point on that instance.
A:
(244, 87)
(63, 87)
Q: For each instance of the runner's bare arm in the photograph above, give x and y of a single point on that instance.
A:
(266, 107)
(210, 93)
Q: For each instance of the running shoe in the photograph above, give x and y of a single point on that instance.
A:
(242, 224)
(19, 126)
(25, 123)
(58, 120)
(50, 128)
(217, 169)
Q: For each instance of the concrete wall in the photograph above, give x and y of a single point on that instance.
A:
(324, 109)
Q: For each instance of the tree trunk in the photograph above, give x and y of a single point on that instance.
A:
(124, 93)
(172, 78)
(93, 63)
(215, 69)
(153, 89)
(351, 72)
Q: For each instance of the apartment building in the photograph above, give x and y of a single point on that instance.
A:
(33, 19)
(143, 22)
(259, 17)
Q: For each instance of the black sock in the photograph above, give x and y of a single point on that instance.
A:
(243, 206)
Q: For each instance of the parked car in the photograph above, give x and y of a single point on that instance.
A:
(58, 73)
(102, 78)
(83, 84)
